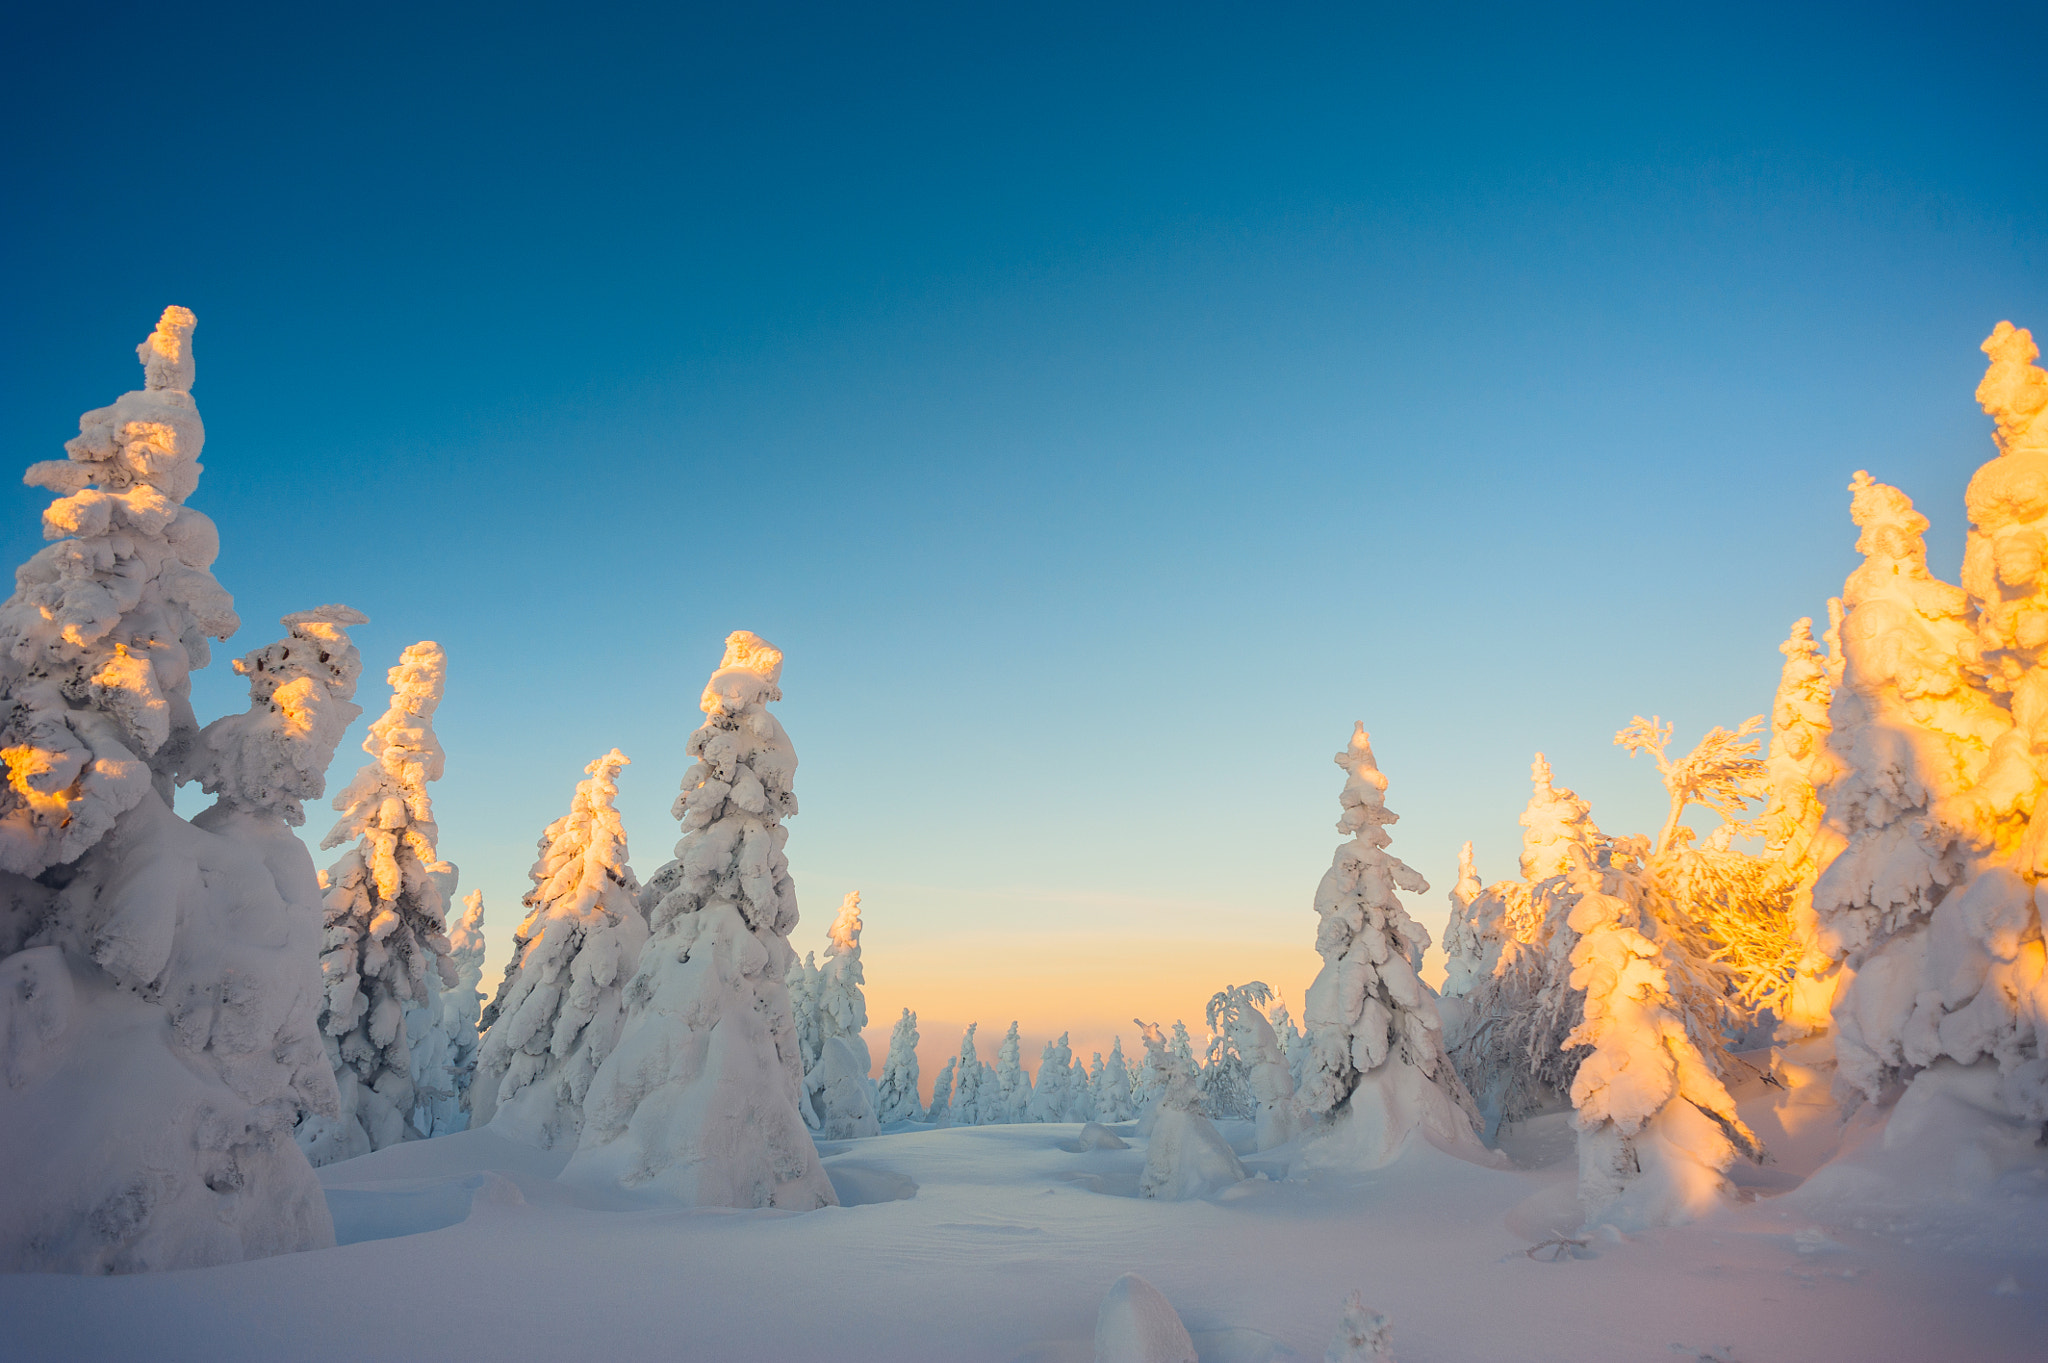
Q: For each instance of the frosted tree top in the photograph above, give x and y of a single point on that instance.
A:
(845, 929)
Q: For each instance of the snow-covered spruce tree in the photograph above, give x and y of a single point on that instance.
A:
(1293, 1044)
(843, 1093)
(556, 1014)
(1797, 836)
(1185, 1156)
(898, 1089)
(1013, 1085)
(1913, 732)
(1052, 1091)
(804, 983)
(158, 989)
(1512, 1054)
(1113, 1094)
(700, 1098)
(1083, 1083)
(385, 954)
(1269, 1078)
(1378, 1071)
(462, 1008)
(1226, 1081)
(940, 1113)
(1471, 943)
(966, 1102)
(1657, 1128)
(1933, 915)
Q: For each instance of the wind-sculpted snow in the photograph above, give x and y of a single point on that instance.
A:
(385, 958)
(1378, 1061)
(557, 1013)
(158, 981)
(700, 1099)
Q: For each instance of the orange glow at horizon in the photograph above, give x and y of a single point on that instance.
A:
(1090, 987)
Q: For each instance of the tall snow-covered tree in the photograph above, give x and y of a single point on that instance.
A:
(1796, 833)
(805, 984)
(1226, 1081)
(1931, 909)
(1185, 1156)
(899, 1099)
(385, 958)
(1013, 1085)
(1113, 1093)
(967, 1103)
(1083, 1084)
(843, 1092)
(462, 1008)
(386, 948)
(1269, 1078)
(556, 1014)
(701, 1097)
(1657, 1127)
(158, 988)
(1511, 1053)
(940, 1113)
(1052, 1090)
(1914, 734)
(1378, 1070)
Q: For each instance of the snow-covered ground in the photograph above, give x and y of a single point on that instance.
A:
(997, 1243)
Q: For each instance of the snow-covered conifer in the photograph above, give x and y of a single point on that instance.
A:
(1930, 908)
(158, 989)
(842, 1091)
(1657, 1128)
(385, 959)
(1800, 766)
(1051, 1091)
(557, 1013)
(1226, 1081)
(1913, 732)
(1083, 1084)
(1511, 1053)
(1269, 1079)
(701, 1097)
(967, 1103)
(1378, 1060)
(940, 1113)
(1293, 1044)
(899, 1100)
(1113, 1094)
(462, 1009)
(1185, 1156)
(1013, 1085)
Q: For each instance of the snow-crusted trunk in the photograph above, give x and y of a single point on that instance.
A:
(701, 1097)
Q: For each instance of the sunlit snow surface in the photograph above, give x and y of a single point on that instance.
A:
(997, 1243)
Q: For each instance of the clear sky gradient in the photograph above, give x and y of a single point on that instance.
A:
(1101, 406)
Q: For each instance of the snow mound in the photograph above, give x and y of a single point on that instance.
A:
(1138, 1325)
(1096, 1136)
(1187, 1157)
(1363, 1335)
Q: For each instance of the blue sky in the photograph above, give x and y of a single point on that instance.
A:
(1102, 410)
